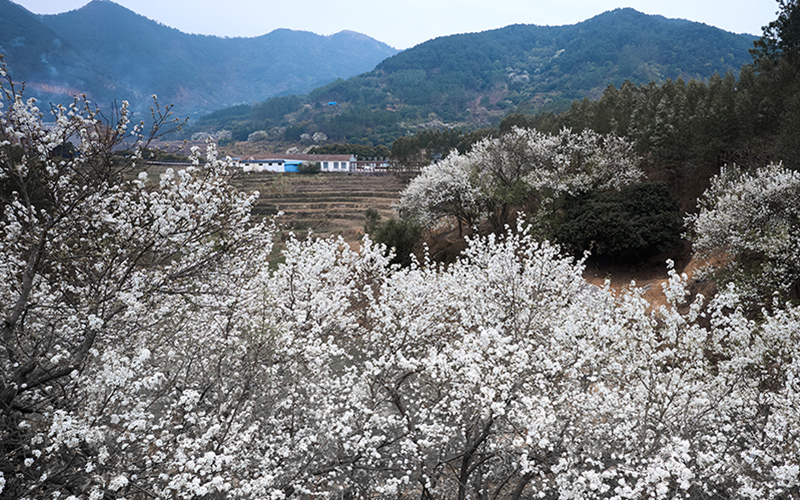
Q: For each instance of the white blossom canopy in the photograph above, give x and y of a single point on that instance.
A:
(521, 168)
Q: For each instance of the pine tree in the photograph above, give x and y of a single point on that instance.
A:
(781, 38)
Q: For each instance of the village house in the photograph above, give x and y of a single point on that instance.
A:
(292, 162)
(373, 165)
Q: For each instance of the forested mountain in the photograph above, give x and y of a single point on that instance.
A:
(689, 136)
(475, 79)
(40, 57)
(110, 52)
(537, 65)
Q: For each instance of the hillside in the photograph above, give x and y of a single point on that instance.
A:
(110, 52)
(39, 56)
(538, 65)
(472, 80)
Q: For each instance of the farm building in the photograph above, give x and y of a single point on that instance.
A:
(291, 163)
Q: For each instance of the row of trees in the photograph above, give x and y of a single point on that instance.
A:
(359, 150)
(427, 146)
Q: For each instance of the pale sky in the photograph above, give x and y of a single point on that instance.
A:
(405, 23)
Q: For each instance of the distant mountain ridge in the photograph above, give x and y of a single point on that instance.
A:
(473, 80)
(110, 52)
(536, 65)
(39, 56)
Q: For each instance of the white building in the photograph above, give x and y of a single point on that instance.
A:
(291, 163)
(262, 165)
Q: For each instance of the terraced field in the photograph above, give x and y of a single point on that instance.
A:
(326, 203)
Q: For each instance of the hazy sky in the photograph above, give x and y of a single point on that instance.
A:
(405, 23)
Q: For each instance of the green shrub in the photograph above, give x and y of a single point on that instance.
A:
(371, 220)
(632, 224)
(309, 167)
(401, 235)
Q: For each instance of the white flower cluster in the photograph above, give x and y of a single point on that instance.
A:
(523, 168)
(752, 221)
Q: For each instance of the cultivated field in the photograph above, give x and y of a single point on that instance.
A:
(325, 203)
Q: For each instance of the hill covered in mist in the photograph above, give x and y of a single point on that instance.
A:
(110, 52)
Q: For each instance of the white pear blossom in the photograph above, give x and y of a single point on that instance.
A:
(523, 168)
(751, 220)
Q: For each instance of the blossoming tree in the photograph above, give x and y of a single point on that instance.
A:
(752, 220)
(95, 261)
(523, 168)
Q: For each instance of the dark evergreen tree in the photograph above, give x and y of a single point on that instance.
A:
(622, 226)
(781, 37)
(401, 236)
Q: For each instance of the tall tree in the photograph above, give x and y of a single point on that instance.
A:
(522, 169)
(781, 37)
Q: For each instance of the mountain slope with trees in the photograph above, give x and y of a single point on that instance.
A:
(41, 58)
(473, 80)
(110, 52)
(542, 64)
(707, 144)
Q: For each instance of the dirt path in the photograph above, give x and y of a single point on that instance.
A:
(651, 280)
